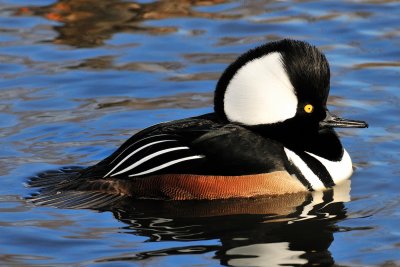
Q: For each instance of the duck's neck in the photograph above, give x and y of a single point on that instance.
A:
(324, 143)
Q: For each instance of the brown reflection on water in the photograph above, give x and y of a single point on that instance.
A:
(108, 62)
(311, 18)
(88, 23)
(184, 100)
(375, 65)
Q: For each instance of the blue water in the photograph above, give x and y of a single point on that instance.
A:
(77, 78)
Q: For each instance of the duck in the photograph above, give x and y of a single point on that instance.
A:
(270, 134)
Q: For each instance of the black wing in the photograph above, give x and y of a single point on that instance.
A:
(162, 148)
(199, 145)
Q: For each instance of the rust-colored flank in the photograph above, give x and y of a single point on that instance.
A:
(190, 186)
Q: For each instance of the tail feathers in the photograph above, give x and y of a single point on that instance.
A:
(65, 188)
(55, 178)
(76, 199)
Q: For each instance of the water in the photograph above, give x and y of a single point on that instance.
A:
(77, 78)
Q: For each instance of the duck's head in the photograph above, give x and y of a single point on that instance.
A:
(283, 84)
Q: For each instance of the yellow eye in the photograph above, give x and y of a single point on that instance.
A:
(308, 108)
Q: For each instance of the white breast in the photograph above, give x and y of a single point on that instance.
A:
(339, 170)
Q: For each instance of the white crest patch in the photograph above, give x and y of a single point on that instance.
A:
(260, 93)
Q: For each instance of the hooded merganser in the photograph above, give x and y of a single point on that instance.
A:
(270, 134)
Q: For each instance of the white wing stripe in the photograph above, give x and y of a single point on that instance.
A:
(165, 165)
(135, 144)
(137, 163)
(134, 152)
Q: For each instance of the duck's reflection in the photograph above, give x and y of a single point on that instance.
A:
(288, 230)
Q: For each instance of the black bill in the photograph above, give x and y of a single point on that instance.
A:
(331, 121)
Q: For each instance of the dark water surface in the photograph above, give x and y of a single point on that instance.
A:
(77, 78)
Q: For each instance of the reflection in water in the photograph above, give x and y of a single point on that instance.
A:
(88, 23)
(291, 229)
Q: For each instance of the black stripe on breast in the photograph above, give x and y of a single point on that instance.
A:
(318, 168)
(292, 169)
